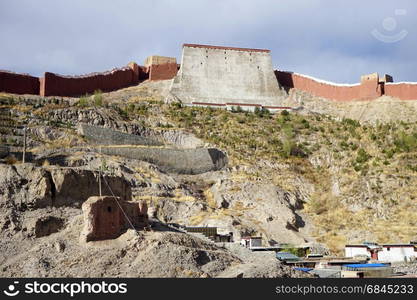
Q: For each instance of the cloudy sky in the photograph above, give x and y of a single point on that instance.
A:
(333, 40)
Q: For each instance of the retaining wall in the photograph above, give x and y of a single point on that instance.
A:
(182, 161)
(106, 136)
(369, 88)
(18, 83)
(403, 91)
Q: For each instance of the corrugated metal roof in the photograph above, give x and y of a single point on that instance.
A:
(303, 269)
(361, 266)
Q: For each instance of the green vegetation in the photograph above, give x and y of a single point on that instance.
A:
(84, 101)
(250, 136)
(98, 98)
(242, 133)
(95, 100)
(405, 142)
(300, 252)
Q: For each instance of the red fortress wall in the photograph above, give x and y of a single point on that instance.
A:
(163, 71)
(403, 91)
(18, 83)
(57, 85)
(52, 84)
(369, 88)
(161, 67)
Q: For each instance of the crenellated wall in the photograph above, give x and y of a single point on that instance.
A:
(57, 85)
(51, 84)
(369, 88)
(211, 74)
(18, 83)
(402, 90)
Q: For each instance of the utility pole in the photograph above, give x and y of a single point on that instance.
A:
(99, 174)
(24, 145)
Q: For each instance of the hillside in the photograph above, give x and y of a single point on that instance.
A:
(312, 176)
(357, 180)
(353, 179)
(380, 110)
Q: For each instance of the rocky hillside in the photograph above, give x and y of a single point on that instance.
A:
(322, 174)
(42, 221)
(353, 180)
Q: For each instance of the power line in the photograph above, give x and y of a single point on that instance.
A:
(124, 213)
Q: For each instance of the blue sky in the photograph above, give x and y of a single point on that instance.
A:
(328, 39)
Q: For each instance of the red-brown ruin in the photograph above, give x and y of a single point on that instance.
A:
(108, 217)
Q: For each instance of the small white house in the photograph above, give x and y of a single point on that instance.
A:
(250, 241)
(385, 253)
(366, 249)
(398, 253)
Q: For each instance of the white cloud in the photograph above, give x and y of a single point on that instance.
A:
(328, 39)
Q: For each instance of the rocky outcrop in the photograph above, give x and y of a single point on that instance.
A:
(243, 208)
(46, 225)
(188, 257)
(86, 181)
(268, 210)
(25, 186)
(38, 223)
(30, 187)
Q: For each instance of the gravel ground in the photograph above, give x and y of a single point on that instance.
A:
(408, 268)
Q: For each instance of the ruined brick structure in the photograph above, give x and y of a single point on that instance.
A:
(104, 218)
